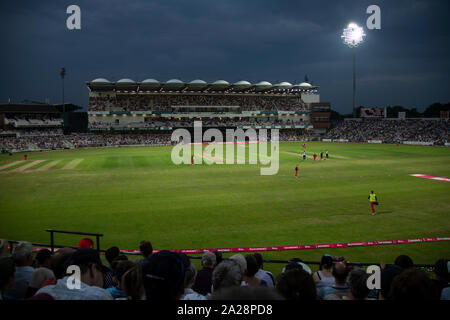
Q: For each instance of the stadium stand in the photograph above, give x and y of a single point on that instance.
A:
(170, 275)
(435, 131)
(130, 113)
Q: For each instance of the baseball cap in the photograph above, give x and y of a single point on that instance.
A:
(43, 255)
(166, 267)
(297, 264)
(83, 256)
(86, 243)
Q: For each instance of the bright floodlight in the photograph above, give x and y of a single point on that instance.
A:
(353, 35)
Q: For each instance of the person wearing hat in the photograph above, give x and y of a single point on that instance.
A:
(91, 279)
(163, 275)
(296, 263)
(86, 243)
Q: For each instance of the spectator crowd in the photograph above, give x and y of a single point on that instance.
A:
(167, 275)
(74, 140)
(392, 131)
(165, 102)
(186, 122)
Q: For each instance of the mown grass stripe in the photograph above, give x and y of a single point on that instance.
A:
(72, 164)
(29, 165)
(11, 164)
(48, 165)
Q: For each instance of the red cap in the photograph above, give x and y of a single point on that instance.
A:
(86, 243)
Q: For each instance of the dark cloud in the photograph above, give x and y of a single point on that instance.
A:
(406, 62)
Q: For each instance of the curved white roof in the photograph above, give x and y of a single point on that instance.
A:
(220, 84)
(174, 81)
(150, 84)
(100, 80)
(126, 81)
(198, 81)
(284, 85)
(263, 84)
(197, 84)
(305, 84)
(174, 84)
(150, 81)
(242, 84)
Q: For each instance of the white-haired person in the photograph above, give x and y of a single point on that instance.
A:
(203, 281)
(23, 257)
(189, 278)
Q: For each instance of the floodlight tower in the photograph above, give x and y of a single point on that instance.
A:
(352, 36)
(63, 74)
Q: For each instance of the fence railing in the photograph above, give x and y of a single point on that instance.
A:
(53, 231)
(52, 246)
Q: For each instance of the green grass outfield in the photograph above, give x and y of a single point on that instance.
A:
(135, 193)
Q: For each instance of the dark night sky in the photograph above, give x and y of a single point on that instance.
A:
(405, 63)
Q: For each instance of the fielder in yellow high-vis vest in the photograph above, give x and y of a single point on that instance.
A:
(373, 200)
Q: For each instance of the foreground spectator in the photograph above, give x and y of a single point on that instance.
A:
(413, 285)
(404, 262)
(7, 272)
(163, 276)
(388, 274)
(218, 257)
(296, 263)
(239, 258)
(203, 281)
(132, 284)
(39, 277)
(445, 294)
(441, 274)
(247, 293)
(110, 254)
(23, 257)
(59, 261)
(91, 282)
(226, 274)
(357, 283)
(324, 277)
(252, 268)
(2, 246)
(119, 267)
(296, 284)
(43, 258)
(340, 273)
(263, 274)
(146, 249)
(189, 278)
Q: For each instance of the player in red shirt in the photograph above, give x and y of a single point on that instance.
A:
(25, 156)
(315, 156)
(304, 146)
(296, 171)
(192, 159)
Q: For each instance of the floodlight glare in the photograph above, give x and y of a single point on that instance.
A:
(353, 35)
